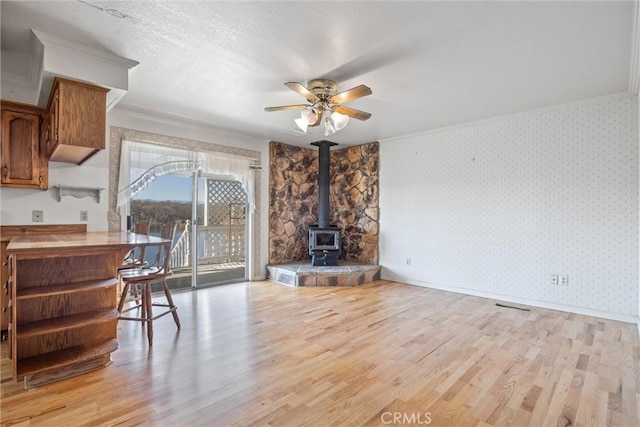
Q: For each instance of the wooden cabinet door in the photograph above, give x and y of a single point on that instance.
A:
(21, 154)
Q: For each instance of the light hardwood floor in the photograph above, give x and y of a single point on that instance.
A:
(380, 354)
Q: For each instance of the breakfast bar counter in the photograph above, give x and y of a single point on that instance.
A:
(62, 289)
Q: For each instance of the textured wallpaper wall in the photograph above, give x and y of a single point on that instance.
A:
(498, 207)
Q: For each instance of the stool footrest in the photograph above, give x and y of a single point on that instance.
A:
(144, 319)
(146, 314)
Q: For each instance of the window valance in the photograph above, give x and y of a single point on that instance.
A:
(142, 163)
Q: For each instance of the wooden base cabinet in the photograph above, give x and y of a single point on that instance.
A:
(63, 301)
(7, 232)
(63, 313)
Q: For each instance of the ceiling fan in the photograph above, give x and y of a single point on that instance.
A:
(324, 105)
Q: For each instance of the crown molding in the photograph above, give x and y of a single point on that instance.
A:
(172, 119)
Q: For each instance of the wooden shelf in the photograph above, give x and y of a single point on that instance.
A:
(78, 192)
(59, 324)
(63, 312)
(67, 288)
(68, 356)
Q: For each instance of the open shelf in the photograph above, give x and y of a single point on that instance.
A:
(66, 357)
(67, 288)
(49, 326)
(64, 320)
(78, 192)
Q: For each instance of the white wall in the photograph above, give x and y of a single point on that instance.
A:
(16, 204)
(495, 208)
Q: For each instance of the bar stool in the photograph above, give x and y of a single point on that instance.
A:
(135, 257)
(144, 277)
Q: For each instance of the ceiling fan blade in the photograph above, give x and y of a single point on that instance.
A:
(350, 94)
(287, 107)
(297, 87)
(352, 112)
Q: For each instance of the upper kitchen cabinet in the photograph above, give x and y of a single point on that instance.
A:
(24, 158)
(74, 126)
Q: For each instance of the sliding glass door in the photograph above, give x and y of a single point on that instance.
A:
(221, 231)
(169, 184)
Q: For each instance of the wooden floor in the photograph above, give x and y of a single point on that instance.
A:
(379, 354)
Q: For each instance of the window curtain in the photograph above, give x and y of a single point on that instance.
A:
(141, 163)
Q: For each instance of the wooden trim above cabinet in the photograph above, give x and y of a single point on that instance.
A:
(21, 108)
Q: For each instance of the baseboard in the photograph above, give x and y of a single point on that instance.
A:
(627, 318)
(638, 323)
(259, 278)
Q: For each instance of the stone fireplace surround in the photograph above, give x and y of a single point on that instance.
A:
(293, 202)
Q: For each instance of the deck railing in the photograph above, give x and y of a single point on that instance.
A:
(216, 244)
(180, 254)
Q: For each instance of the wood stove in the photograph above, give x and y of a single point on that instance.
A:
(325, 246)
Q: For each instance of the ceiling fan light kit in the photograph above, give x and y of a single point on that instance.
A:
(324, 105)
(302, 123)
(339, 120)
(310, 116)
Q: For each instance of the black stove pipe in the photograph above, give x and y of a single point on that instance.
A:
(324, 161)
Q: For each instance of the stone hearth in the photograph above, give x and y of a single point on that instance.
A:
(305, 274)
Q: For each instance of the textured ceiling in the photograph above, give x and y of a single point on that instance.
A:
(429, 64)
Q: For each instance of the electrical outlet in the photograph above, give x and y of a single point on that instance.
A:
(554, 279)
(37, 216)
(408, 261)
(84, 215)
(563, 280)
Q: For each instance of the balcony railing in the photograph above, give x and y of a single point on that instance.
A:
(216, 244)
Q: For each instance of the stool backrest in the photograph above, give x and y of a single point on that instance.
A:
(142, 227)
(167, 231)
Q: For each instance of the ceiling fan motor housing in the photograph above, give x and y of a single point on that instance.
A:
(323, 88)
